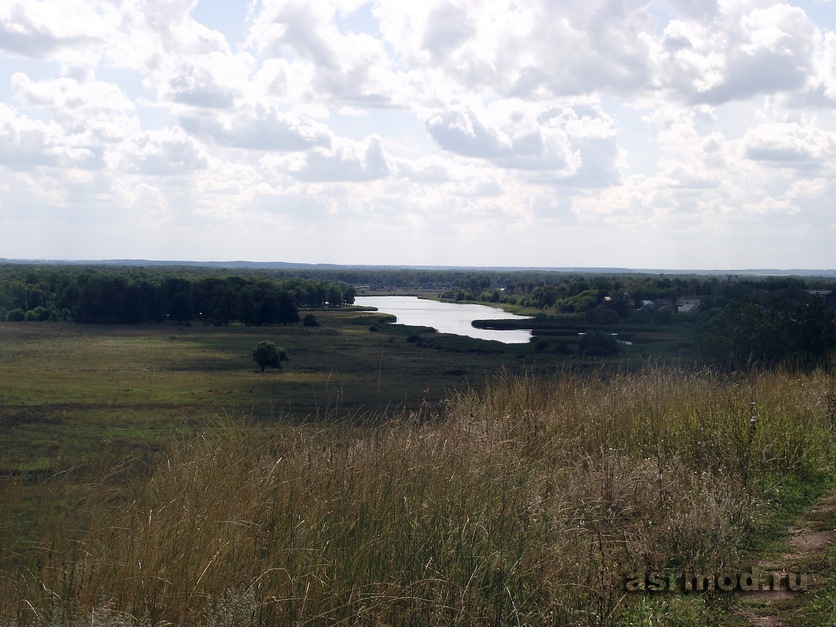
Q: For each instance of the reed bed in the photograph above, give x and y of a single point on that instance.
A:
(527, 502)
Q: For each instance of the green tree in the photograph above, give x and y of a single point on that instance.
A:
(796, 331)
(348, 294)
(287, 311)
(181, 307)
(598, 344)
(267, 353)
(335, 296)
(268, 309)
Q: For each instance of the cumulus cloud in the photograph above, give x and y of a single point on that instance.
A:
(170, 26)
(197, 87)
(516, 145)
(527, 50)
(760, 51)
(681, 118)
(790, 145)
(599, 163)
(65, 94)
(447, 28)
(26, 143)
(259, 129)
(366, 161)
(559, 145)
(346, 66)
(169, 152)
(425, 170)
(40, 29)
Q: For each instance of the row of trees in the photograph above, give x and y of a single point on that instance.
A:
(571, 293)
(794, 328)
(141, 295)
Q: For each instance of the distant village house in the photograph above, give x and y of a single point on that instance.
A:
(688, 304)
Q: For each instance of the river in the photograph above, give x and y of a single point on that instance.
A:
(452, 318)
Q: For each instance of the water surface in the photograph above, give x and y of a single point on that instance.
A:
(452, 318)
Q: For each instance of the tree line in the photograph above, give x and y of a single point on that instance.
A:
(740, 321)
(788, 326)
(107, 295)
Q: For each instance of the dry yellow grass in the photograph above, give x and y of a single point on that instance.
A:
(525, 503)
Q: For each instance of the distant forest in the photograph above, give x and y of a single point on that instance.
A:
(738, 320)
(115, 295)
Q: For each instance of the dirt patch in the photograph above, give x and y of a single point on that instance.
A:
(816, 533)
(806, 541)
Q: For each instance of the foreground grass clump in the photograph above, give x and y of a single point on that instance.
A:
(527, 502)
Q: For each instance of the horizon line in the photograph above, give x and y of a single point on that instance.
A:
(367, 266)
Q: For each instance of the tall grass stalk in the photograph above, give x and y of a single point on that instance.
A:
(525, 502)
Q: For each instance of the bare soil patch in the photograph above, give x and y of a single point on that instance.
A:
(804, 546)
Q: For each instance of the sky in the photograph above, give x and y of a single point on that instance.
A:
(680, 134)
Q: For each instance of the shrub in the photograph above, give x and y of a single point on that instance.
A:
(602, 315)
(598, 344)
(15, 315)
(269, 354)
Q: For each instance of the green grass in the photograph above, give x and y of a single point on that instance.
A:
(526, 501)
(151, 474)
(770, 545)
(69, 393)
(818, 605)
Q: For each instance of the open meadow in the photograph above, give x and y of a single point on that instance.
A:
(70, 393)
(151, 475)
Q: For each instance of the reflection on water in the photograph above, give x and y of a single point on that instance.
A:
(446, 317)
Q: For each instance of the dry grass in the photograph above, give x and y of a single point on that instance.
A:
(525, 503)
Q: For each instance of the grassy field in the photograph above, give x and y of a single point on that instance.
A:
(152, 476)
(69, 393)
(529, 502)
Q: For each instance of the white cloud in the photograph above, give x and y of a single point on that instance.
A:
(425, 170)
(41, 29)
(341, 66)
(26, 143)
(822, 81)
(259, 129)
(529, 50)
(346, 162)
(447, 28)
(790, 145)
(196, 86)
(67, 94)
(516, 143)
(397, 127)
(168, 152)
(751, 51)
